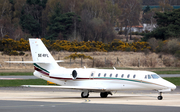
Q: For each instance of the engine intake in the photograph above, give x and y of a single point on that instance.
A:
(74, 74)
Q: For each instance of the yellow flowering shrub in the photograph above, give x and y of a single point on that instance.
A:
(75, 46)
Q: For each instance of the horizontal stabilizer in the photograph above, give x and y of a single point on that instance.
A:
(66, 87)
(32, 61)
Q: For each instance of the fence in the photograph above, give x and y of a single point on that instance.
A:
(69, 63)
(100, 59)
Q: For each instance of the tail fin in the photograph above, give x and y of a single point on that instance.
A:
(42, 58)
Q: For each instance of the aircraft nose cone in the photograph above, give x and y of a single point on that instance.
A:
(172, 86)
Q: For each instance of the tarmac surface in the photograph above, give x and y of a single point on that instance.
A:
(31, 106)
(19, 99)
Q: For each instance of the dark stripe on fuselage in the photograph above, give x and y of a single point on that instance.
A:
(37, 66)
(41, 70)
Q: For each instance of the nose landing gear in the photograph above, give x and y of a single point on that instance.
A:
(160, 97)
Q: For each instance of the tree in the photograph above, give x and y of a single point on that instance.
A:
(147, 9)
(148, 17)
(168, 25)
(156, 2)
(165, 6)
(130, 14)
(84, 25)
(61, 24)
(31, 17)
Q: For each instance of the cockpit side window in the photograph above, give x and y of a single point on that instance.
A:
(155, 76)
(149, 76)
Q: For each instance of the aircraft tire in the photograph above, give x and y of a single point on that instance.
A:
(84, 96)
(159, 97)
(103, 94)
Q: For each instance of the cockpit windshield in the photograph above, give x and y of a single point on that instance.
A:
(155, 76)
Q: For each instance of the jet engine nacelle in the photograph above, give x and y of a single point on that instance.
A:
(65, 74)
(74, 74)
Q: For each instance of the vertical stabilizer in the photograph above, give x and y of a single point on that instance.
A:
(41, 56)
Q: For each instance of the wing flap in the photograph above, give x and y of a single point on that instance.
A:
(66, 87)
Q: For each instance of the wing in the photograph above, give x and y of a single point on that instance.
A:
(67, 87)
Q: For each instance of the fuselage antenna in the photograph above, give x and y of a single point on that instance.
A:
(114, 68)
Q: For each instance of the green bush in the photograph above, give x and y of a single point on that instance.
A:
(177, 54)
(14, 52)
(128, 49)
(21, 53)
(173, 46)
(7, 51)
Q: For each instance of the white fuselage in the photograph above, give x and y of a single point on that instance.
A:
(110, 80)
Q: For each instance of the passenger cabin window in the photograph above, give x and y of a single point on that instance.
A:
(134, 76)
(105, 75)
(116, 75)
(99, 74)
(149, 76)
(122, 75)
(110, 75)
(128, 76)
(155, 76)
(92, 74)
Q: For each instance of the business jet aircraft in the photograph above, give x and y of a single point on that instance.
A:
(91, 79)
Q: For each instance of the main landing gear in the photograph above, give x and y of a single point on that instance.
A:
(160, 96)
(85, 94)
(105, 94)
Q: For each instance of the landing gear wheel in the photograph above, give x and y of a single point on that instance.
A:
(159, 97)
(84, 96)
(104, 94)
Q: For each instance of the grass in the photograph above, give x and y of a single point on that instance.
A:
(15, 73)
(174, 80)
(168, 72)
(14, 83)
